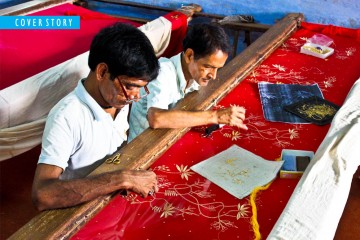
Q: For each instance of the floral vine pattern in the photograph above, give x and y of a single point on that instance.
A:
(200, 202)
(259, 129)
(278, 74)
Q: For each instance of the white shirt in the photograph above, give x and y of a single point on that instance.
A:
(78, 133)
(165, 91)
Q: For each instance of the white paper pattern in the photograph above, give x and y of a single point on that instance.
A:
(238, 171)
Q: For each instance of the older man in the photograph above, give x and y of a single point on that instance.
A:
(205, 50)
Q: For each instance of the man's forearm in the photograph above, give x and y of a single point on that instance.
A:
(55, 193)
(159, 118)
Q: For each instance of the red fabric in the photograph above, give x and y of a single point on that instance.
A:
(24, 53)
(178, 32)
(190, 207)
(333, 30)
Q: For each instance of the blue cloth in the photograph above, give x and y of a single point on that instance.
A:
(275, 96)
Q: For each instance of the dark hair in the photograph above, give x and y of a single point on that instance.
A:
(126, 50)
(204, 39)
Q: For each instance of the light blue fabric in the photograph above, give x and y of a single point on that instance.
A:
(78, 133)
(165, 92)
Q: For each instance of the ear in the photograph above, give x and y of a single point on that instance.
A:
(101, 70)
(189, 55)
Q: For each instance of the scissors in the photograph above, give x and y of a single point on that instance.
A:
(115, 159)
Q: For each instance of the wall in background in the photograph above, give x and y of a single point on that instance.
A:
(344, 13)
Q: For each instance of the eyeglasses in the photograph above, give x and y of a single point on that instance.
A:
(128, 99)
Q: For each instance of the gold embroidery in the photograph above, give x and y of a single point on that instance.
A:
(168, 210)
(175, 16)
(258, 129)
(114, 160)
(188, 211)
(293, 134)
(242, 211)
(191, 194)
(169, 192)
(345, 54)
(222, 225)
(185, 172)
(235, 135)
(316, 111)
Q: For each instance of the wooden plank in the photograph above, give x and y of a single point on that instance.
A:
(253, 27)
(151, 144)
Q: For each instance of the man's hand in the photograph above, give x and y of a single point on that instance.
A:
(232, 116)
(50, 192)
(141, 181)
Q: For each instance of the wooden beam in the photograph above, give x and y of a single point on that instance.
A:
(255, 27)
(151, 144)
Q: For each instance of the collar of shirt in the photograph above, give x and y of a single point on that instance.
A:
(193, 85)
(86, 98)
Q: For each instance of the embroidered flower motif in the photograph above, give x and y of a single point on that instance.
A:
(235, 135)
(293, 134)
(168, 210)
(281, 143)
(284, 45)
(350, 51)
(254, 74)
(346, 54)
(185, 172)
(218, 210)
(279, 67)
(329, 82)
(242, 211)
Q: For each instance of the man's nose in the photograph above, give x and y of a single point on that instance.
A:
(135, 94)
(212, 74)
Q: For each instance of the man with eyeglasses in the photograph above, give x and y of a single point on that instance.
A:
(90, 123)
(205, 50)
